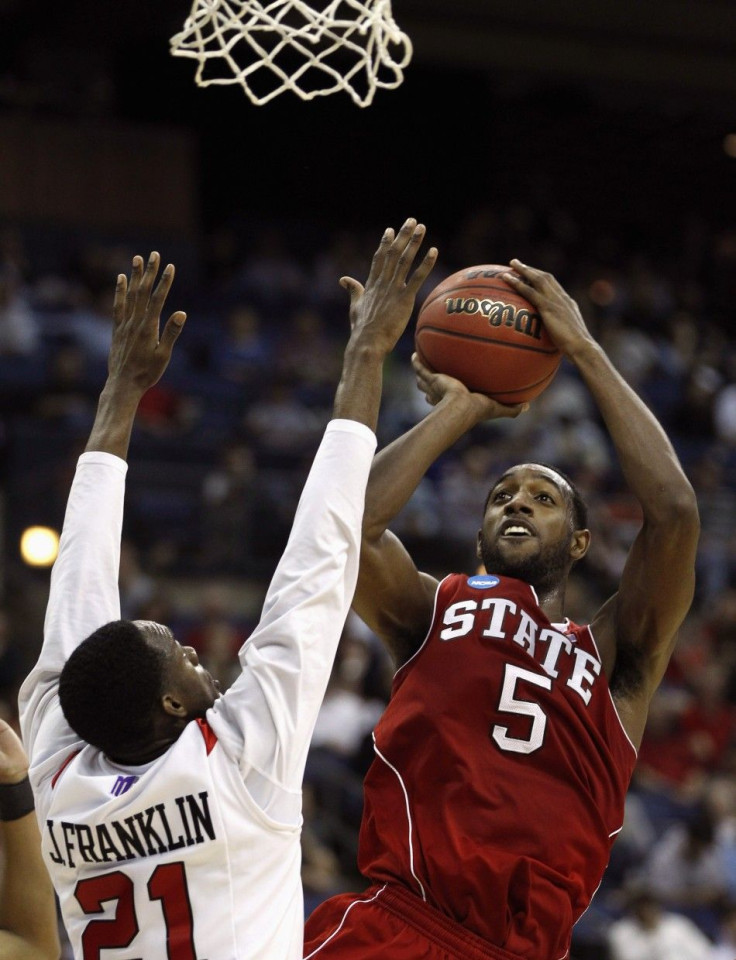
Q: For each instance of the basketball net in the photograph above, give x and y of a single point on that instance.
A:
(271, 47)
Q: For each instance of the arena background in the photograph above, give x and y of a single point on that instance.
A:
(597, 140)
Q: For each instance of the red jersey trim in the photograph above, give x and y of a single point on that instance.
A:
(423, 644)
(339, 927)
(208, 734)
(393, 769)
(63, 767)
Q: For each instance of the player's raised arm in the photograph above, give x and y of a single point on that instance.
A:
(84, 580)
(637, 629)
(139, 353)
(288, 658)
(28, 923)
(392, 596)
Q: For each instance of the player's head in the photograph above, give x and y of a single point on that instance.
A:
(534, 525)
(130, 688)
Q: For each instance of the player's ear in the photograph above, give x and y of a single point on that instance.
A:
(579, 545)
(173, 706)
(478, 550)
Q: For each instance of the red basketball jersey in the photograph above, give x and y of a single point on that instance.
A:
(501, 769)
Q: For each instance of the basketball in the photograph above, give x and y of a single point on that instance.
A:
(475, 327)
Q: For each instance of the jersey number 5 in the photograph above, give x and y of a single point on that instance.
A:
(509, 703)
(168, 883)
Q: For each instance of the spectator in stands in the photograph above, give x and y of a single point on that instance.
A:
(66, 399)
(244, 352)
(649, 932)
(19, 329)
(269, 274)
(725, 945)
(686, 870)
(281, 428)
(335, 763)
(137, 588)
(717, 500)
(308, 356)
(216, 636)
(708, 722)
(724, 403)
(234, 497)
(667, 777)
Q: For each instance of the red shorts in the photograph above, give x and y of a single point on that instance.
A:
(389, 923)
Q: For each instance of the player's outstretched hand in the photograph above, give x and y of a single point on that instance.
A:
(380, 310)
(138, 354)
(13, 759)
(560, 313)
(436, 386)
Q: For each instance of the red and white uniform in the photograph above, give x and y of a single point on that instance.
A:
(500, 775)
(195, 855)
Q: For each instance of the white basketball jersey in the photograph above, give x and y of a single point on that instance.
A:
(195, 855)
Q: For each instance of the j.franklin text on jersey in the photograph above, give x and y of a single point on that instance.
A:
(181, 822)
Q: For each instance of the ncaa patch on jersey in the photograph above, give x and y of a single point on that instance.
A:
(483, 581)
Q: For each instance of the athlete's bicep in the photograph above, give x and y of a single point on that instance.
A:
(657, 587)
(392, 597)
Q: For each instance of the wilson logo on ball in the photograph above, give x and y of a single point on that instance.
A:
(498, 314)
(475, 326)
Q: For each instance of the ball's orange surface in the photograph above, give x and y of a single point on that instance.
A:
(475, 327)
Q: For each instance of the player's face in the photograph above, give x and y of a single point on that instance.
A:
(185, 678)
(527, 529)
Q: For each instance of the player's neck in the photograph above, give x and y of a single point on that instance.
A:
(552, 600)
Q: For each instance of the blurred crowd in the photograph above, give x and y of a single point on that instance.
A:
(221, 452)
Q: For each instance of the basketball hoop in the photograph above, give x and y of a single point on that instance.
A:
(269, 48)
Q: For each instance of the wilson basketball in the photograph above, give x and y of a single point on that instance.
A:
(475, 327)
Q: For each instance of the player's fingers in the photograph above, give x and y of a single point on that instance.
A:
(136, 273)
(351, 285)
(524, 286)
(355, 290)
(118, 306)
(402, 240)
(379, 257)
(423, 270)
(149, 275)
(511, 410)
(534, 278)
(172, 330)
(158, 298)
(523, 268)
(425, 376)
(420, 367)
(409, 253)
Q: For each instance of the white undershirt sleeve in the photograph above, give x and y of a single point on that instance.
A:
(267, 716)
(83, 596)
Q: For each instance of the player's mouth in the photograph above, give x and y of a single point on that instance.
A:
(516, 530)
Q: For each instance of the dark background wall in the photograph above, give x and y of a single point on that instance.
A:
(578, 103)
